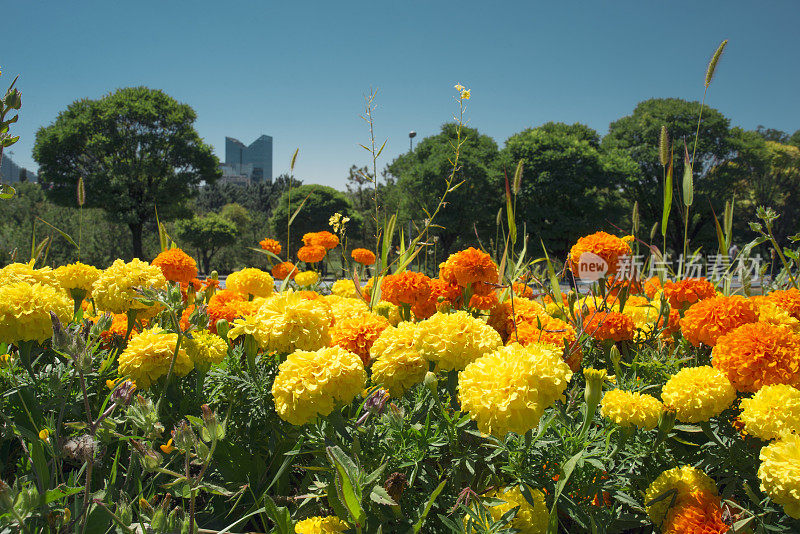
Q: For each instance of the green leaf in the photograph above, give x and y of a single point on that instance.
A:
(347, 486)
(7, 192)
(421, 521)
(688, 179)
(267, 253)
(567, 469)
(667, 200)
(381, 496)
(554, 285)
(63, 234)
(279, 515)
(297, 211)
(59, 493)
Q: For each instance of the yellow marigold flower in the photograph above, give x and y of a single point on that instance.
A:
(357, 334)
(24, 272)
(321, 525)
(529, 519)
(771, 313)
(148, 357)
(206, 349)
(397, 364)
(287, 322)
(773, 411)
(312, 383)
(687, 484)
(454, 340)
(176, 265)
(508, 390)
(759, 354)
(780, 473)
(701, 515)
(712, 318)
(114, 289)
(388, 310)
(77, 276)
(363, 256)
(345, 288)
(627, 408)
(345, 307)
(25, 311)
(250, 281)
(698, 393)
(306, 278)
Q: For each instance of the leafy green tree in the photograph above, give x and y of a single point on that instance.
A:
(136, 149)
(320, 203)
(470, 208)
(569, 186)
(638, 135)
(207, 234)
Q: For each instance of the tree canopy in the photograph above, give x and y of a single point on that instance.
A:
(136, 150)
(421, 182)
(320, 203)
(207, 235)
(569, 185)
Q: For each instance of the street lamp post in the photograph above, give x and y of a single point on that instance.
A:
(411, 135)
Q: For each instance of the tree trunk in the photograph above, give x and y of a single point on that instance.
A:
(136, 234)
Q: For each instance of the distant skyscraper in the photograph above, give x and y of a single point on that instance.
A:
(246, 164)
(11, 172)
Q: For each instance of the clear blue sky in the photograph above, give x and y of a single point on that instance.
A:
(297, 70)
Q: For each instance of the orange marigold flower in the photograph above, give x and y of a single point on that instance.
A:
(652, 286)
(788, 300)
(408, 287)
(502, 318)
(363, 256)
(607, 246)
(228, 305)
(357, 334)
(684, 293)
(711, 318)
(210, 283)
(758, 354)
(442, 295)
(311, 253)
(483, 302)
(325, 239)
(270, 245)
(117, 329)
(522, 290)
(176, 265)
(700, 514)
(470, 266)
(609, 325)
(553, 332)
(282, 270)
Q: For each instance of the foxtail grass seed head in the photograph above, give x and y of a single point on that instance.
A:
(517, 186)
(81, 192)
(712, 65)
(663, 146)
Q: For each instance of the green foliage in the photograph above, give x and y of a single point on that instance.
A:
(206, 234)
(638, 135)
(569, 185)
(421, 181)
(136, 149)
(318, 202)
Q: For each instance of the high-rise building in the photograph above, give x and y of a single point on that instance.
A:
(11, 172)
(248, 164)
